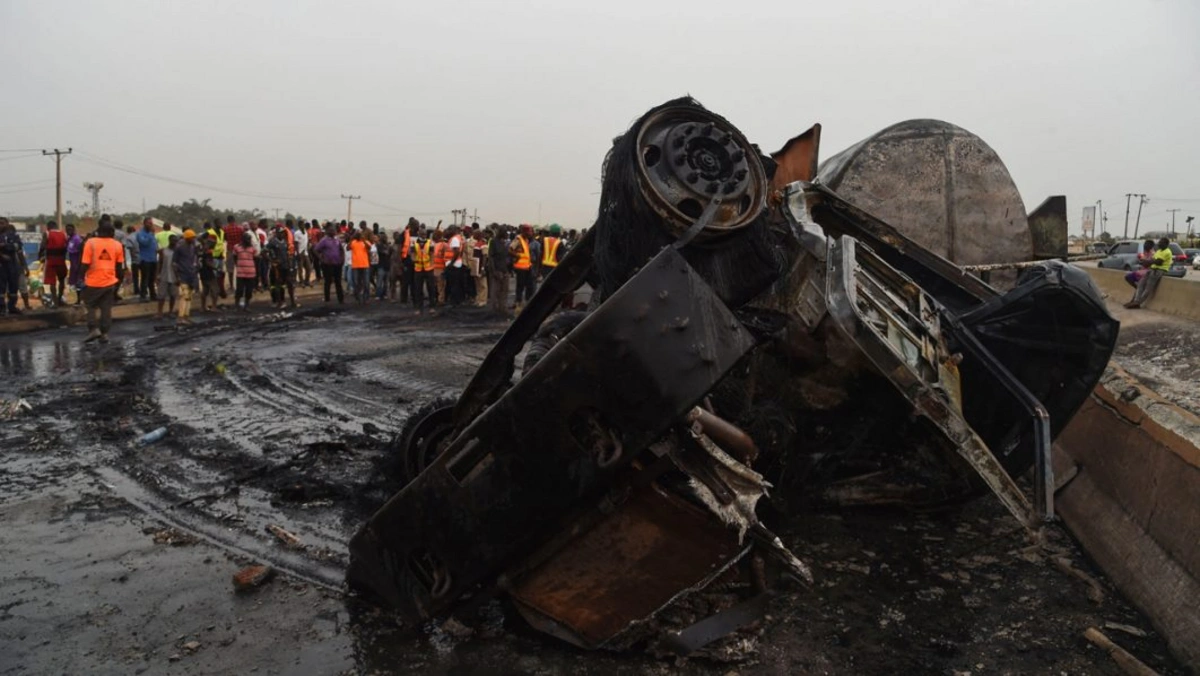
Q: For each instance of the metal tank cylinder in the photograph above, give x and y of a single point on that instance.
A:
(939, 184)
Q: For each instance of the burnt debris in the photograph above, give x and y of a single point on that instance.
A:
(747, 343)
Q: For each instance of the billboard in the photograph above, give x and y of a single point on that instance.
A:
(1089, 222)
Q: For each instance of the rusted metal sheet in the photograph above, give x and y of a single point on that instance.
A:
(555, 440)
(940, 185)
(797, 159)
(653, 548)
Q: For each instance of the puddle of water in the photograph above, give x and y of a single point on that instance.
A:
(26, 358)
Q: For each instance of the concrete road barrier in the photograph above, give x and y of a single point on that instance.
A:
(1130, 465)
(1177, 297)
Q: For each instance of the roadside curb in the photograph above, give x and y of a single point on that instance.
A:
(73, 315)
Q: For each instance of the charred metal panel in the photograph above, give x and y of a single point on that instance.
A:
(634, 562)
(1048, 228)
(552, 442)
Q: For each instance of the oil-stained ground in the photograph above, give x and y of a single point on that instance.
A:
(118, 556)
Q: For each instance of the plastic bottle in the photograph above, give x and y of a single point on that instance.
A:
(154, 436)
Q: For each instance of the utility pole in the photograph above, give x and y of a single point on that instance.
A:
(1127, 196)
(475, 216)
(349, 206)
(58, 155)
(1173, 212)
(1141, 200)
(276, 210)
(94, 188)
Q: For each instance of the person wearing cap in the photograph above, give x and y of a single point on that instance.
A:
(550, 245)
(185, 262)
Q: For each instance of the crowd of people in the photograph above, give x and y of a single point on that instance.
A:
(429, 268)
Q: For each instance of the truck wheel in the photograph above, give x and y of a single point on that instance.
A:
(423, 437)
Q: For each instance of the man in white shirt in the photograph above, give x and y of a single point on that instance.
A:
(303, 260)
(454, 267)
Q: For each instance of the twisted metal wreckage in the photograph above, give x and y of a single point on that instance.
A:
(750, 329)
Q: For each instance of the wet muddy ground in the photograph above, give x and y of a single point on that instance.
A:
(119, 555)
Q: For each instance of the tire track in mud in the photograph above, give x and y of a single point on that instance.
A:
(327, 576)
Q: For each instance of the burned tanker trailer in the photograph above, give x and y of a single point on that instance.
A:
(751, 332)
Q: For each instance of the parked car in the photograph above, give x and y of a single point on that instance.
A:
(1123, 256)
(1193, 255)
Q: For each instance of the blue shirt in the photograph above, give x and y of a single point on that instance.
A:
(147, 246)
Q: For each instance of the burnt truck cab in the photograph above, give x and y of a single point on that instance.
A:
(622, 470)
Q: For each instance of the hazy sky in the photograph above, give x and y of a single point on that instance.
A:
(508, 107)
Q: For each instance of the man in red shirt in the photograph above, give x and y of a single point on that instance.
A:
(54, 254)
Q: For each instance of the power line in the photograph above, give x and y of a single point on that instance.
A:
(20, 157)
(111, 164)
(37, 182)
(392, 209)
(20, 150)
(13, 192)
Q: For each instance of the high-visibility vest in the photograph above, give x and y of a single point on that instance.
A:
(219, 247)
(423, 257)
(550, 249)
(522, 262)
(439, 256)
(406, 244)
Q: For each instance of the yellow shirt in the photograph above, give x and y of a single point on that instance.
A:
(1162, 260)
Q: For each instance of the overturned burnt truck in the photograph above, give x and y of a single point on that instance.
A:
(751, 332)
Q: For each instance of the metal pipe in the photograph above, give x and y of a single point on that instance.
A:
(727, 435)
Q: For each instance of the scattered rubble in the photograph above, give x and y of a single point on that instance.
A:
(288, 539)
(252, 577)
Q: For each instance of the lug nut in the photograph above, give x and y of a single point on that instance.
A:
(726, 139)
(687, 131)
(677, 143)
(739, 174)
(712, 187)
(707, 130)
(738, 155)
(693, 177)
(680, 161)
(730, 187)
